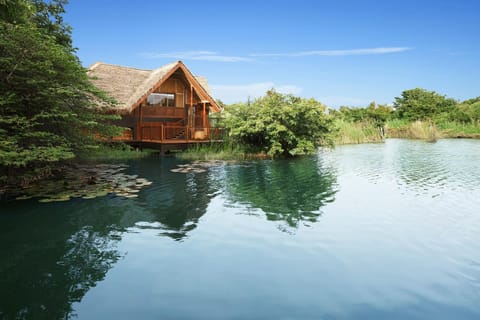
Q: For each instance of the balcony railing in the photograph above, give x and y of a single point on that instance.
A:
(163, 133)
(164, 112)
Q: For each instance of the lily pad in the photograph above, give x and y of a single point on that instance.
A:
(47, 200)
(24, 197)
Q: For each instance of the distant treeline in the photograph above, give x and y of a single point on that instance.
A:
(415, 104)
(417, 113)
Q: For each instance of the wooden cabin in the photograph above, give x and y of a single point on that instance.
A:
(168, 105)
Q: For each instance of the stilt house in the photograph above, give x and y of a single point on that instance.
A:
(165, 105)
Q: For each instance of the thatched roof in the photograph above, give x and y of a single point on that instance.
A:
(130, 86)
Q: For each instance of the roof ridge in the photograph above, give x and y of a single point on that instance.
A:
(98, 63)
(155, 76)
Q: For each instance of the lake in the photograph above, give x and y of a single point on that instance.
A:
(380, 231)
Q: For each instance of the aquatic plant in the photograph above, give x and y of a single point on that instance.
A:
(86, 182)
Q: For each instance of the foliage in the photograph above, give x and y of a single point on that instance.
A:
(378, 114)
(420, 104)
(46, 109)
(418, 114)
(466, 112)
(279, 124)
(363, 118)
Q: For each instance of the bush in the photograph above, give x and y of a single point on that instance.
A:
(280, 125)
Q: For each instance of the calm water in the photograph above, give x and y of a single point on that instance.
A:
(388, 231)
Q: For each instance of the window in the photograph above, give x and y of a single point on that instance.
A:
(161, 99)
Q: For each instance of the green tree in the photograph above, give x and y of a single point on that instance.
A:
(47, 113)
(467, 111)
(376, 115)
(280, 124)
(420, 104)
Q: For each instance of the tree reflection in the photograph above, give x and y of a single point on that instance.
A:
(51, 259)
(52, 254)
(292, 191)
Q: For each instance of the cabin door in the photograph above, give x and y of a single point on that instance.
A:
(198, 117)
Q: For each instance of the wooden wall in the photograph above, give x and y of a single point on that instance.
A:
(177, 87)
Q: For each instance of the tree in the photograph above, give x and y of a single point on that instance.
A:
(280, 124)
(420, 104)
(47, 113)
(467, 111)
(376, 115)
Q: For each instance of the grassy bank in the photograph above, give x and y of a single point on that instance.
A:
(114, 152)
(459, 130)
(350, 132)
(428, 130)
(423, 130)
(356, 132)
(220, 151)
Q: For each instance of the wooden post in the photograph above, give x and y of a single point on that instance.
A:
(191, 121)
(140, 123)
(204, 117)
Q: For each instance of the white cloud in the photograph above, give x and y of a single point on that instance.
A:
(349, 52)
(194, 55)
(240, 93)
(215, 56)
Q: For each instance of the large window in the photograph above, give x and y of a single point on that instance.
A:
(161, 99)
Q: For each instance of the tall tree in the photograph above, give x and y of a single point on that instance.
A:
(420, 104)
(48, 112)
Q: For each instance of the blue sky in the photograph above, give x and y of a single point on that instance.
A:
(341, 52)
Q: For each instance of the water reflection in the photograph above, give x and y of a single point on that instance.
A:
(415, 166)
(386, 240)
(52, 254)
(291, 192)
(50, 258)
(176, 201)
(425, 167)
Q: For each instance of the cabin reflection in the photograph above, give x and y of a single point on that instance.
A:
(176, 202)
(67, 248)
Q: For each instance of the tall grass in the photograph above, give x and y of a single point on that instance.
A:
(356, 132)
(451, 129)
(220, 151)
(424, 130)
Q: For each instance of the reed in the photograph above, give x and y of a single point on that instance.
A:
(357, 132)
(220, 151)
(423, 130)
(452, 129)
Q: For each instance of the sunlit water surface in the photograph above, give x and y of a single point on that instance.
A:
(387, 231)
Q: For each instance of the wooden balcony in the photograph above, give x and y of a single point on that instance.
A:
(164, 112)
(157, 132)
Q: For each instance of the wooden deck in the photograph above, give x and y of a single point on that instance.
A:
(166, 146)
(156, 135)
